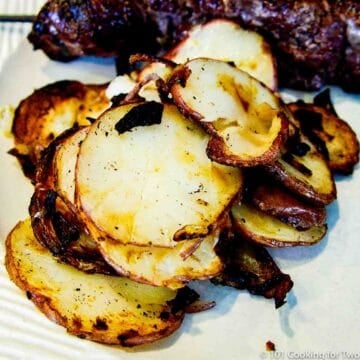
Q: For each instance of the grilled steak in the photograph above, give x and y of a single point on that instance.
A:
(315, 42)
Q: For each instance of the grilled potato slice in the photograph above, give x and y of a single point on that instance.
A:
(143, 178)
(49, 111)
(266, 230)
(303, 170)
(223, 40)
(168, 267)
(53, 213)
(64, 162)
(247, 121)
(57, 227)
(250, 266)
(277, 201)
(332, 136)
(102, 308)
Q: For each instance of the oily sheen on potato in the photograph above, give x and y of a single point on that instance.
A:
(143, 178)
(247, 121)
(108, 309)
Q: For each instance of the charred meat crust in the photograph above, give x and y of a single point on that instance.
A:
(315, 42)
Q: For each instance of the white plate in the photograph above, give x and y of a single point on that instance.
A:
(321, 318)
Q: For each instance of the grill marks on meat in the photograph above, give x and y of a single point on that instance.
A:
(315, 42)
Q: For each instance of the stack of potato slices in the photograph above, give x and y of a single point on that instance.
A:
(192, 168)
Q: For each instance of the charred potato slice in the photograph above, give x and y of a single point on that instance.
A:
(303, 170)
(277, 201)
(250, 266)
(53, 214)
(52, 109)
(58, 229)
(102, 308)
(332, 136)
(226, 41)
(143, 178)
(266, 230)
(169, 267)
(65, 162)
(246, 120)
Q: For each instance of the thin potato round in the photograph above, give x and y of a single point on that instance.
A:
(226, 41)
(266, 230)
(223, 40)
(304, 171)
(331, 135)
(153, 265)
(143, 177)
(101, 308)
(57, 228)
(247, 121)
(64, 162)
(52, 109)
(164, 266)
(277, 201)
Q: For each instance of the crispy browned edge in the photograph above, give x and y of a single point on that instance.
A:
(171, 53)
(27, 127)
(337, 128)
(44, 304)
(217, 149)
(307, 192)
(275, 200)
(270, 242)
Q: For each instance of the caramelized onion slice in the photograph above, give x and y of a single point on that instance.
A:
(101, 308)
(247, 121)
(150, 182)
(266, 230)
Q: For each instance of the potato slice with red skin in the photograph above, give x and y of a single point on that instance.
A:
(246, 120)
(332, 136)
(223, 40)
(304, 170)
(65, 163)
(57, 227)
(277, 201)
(266, 230)
(107, 309)
(151, 185)
(49, 111)
(249, 266)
